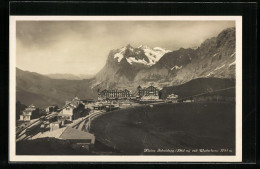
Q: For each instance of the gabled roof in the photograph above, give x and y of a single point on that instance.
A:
(75, 134)
(27, 110)
(70, 105)
(31, 106)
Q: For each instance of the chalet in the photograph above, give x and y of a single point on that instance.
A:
(173, 97)
(29, 113)
(114, 94)
(149, 93)
(71, 110)
(52, 108)
(68, 111)
(75, 101)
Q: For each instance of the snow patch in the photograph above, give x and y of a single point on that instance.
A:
(120, 55)
(132, 60)
(233, 54)
(209, 74)
(233, 63)
(219, 67)
(176, 67)
(161, 49)
(154, 55)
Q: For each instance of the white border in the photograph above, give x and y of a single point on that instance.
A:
(100, 158)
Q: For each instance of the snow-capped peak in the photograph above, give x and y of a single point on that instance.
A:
(154, 55)
(120, 55)
(141, 55)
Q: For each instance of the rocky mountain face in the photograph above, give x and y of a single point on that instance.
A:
(128, 67)
(123, 65)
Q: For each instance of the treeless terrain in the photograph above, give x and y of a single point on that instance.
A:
(169, 126)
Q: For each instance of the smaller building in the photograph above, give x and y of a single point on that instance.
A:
(76, 136)
(72, 110)
(173, 98)
(55, 125)
(67, 112)
(28, 113)
(75, 101)
(188, 100)
(99, 107)
(52, 108)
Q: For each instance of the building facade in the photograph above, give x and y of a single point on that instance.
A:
(52, 108)
(114, 94)
(75, 101)
(172, 97)
(149, 93)
(71, 110)
(28, 113)
(68, 111)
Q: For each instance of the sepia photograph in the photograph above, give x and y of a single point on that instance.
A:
(125, 88)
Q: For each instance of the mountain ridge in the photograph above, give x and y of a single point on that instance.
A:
(214, 58)
(69, 76)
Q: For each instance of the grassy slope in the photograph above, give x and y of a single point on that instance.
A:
(184, 125)
(43, 91)
(200, 85)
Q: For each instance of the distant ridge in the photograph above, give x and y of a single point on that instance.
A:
(69, 76)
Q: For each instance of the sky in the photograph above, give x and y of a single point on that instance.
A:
(82, 47)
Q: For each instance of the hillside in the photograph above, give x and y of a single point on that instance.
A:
(168, 126)
(69, 76)
(200, 85)
(43, 91)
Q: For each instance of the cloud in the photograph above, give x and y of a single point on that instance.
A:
(81, 47)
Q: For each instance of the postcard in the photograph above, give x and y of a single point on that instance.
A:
(125, 89)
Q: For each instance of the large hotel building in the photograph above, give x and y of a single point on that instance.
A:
(114, 94)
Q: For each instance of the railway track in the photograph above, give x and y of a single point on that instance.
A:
(84, 124)
(22, 134)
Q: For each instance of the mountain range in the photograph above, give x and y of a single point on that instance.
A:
(215, 57)
(129, 67)
(69, 76)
